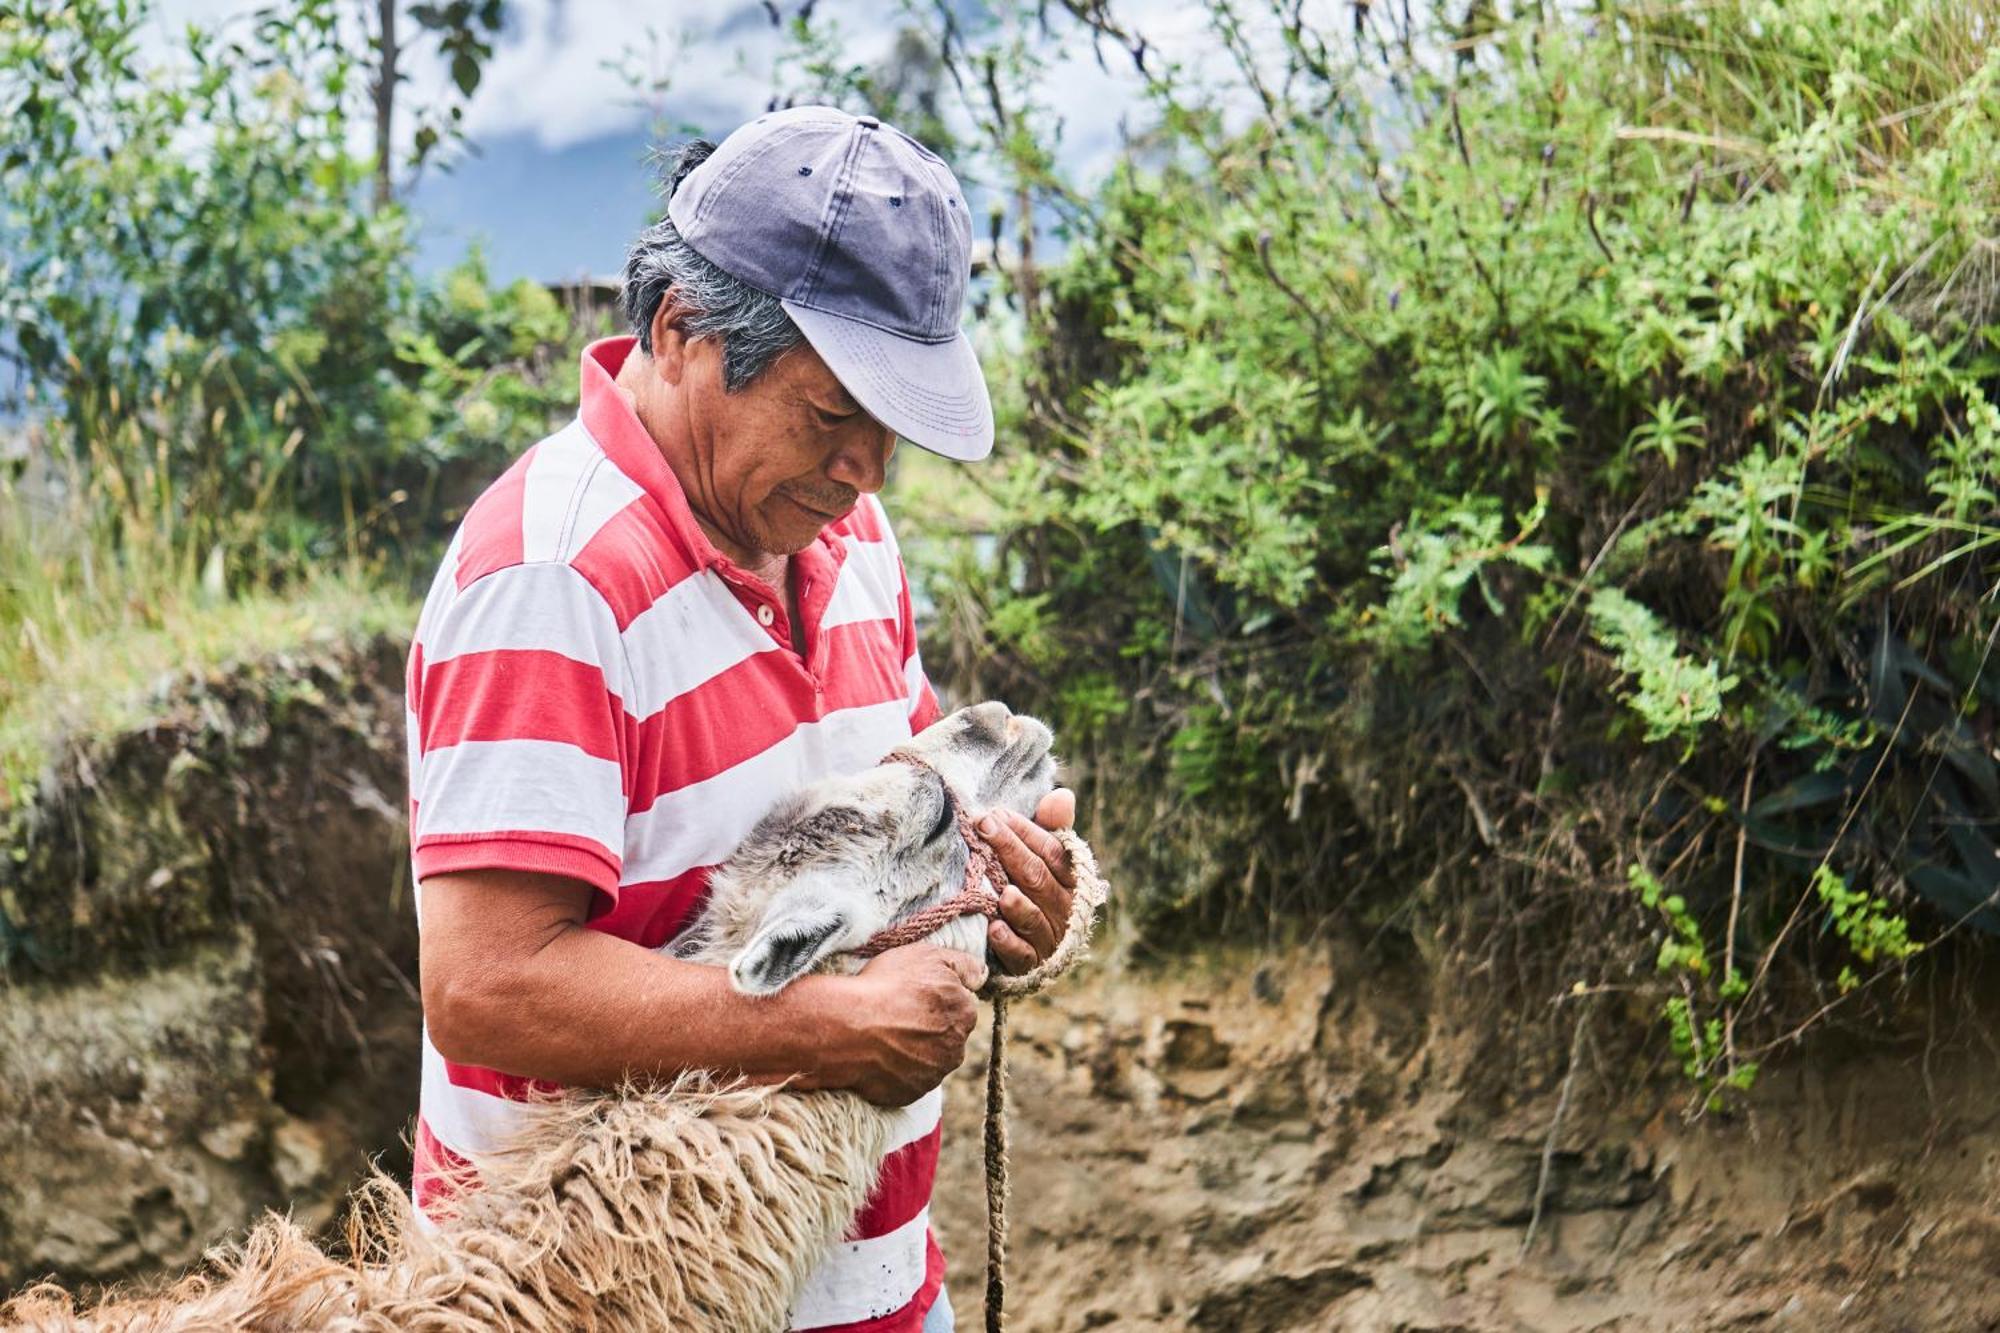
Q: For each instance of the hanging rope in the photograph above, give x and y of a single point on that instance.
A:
(979, 895)
(1000, 988)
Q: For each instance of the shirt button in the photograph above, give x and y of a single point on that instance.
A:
(765, 615)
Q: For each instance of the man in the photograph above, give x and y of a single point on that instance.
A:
(666, 615)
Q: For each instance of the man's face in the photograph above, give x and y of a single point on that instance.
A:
(782, 457)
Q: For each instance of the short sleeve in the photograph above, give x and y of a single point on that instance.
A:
(923, 702)
(519, 743)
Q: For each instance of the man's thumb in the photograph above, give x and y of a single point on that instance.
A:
(971, 971)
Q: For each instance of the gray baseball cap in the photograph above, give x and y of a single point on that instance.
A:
(862, 233)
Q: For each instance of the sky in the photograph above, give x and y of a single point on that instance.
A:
(558, 184)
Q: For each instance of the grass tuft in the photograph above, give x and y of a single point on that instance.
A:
(90, 634)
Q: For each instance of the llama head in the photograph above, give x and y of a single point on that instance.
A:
(834, 864)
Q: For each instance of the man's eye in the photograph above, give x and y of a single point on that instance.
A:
(831, 420)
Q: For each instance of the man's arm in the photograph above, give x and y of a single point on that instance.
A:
(514, 981)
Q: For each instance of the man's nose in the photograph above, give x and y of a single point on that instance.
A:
(863, 461)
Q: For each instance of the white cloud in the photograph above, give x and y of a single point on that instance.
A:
(552, 75)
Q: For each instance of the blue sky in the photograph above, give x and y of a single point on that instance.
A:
(558, 182)
(535, 211)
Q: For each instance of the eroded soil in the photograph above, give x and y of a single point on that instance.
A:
(1266, 1142)
(207, 962)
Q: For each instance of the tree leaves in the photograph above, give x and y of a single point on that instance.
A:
(218, 324)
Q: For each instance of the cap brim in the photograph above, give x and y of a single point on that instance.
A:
(931, 394)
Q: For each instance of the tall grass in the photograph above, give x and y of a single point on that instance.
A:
(92, 624)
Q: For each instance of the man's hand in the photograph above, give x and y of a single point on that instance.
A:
(1034, 912)
(913, 1009)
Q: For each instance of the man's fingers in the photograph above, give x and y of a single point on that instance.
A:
(1038, 868)
(1057, 810)
(1014, 954)
(1023, 867)
(1029, 921)
(1048, 851)
(970, 970)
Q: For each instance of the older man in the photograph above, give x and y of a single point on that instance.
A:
(667, 614)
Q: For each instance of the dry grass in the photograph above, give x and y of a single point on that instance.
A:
(90, 628)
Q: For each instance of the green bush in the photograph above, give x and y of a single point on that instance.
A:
(1528, 449)
(226, 345)
(248, 419)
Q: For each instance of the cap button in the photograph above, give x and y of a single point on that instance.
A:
(869, 122)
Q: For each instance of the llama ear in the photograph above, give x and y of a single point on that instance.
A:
(782, 951)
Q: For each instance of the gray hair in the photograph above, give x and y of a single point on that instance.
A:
(753, 327)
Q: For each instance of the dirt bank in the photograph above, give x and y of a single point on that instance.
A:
(1302, 1140)
(207, 957)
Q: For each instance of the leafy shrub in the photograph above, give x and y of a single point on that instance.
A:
(247, 419)
(1522, 449)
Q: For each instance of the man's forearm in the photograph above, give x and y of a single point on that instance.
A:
(513, 980)
(588, 1009)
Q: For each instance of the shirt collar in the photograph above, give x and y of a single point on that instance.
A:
(630, 446)
(625, 441)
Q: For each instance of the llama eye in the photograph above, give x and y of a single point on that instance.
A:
(943, 822)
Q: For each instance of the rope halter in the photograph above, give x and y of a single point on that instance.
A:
(979, 895)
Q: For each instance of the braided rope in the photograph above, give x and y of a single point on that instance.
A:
(1000, 988)
(980, 894)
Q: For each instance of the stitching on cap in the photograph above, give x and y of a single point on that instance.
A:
(873, 324)
(941, 275)
(874, 354)
(935, 295)
(908, 397)
(837, 208)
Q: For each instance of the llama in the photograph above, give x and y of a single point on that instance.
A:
(701, 1204)
(830, 867)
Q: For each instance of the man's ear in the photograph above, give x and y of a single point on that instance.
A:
(670, 339)
(787, 945)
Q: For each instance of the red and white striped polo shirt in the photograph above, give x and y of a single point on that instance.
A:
(595, 692)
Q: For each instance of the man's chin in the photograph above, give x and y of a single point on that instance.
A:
(799, 528)
(789, 538)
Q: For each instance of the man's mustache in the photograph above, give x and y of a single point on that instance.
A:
(836, 501)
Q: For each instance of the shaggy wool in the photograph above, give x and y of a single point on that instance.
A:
(690, 1206)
